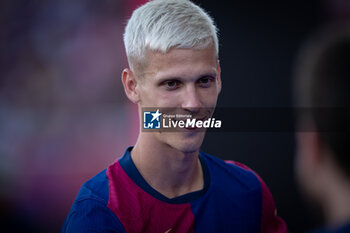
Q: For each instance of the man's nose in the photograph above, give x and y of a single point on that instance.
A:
(191, 99)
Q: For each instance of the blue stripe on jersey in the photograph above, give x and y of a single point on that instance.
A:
(233, 200)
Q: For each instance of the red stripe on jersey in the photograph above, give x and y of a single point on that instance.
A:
(138, 211)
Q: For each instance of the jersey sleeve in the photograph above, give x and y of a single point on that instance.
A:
(91, 216)
(270, 222)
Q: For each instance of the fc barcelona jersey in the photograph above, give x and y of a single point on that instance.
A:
(118, 199)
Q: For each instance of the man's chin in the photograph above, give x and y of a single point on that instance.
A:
(189, 152)
(190, 147)
(185, 142)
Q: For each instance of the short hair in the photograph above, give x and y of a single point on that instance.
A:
(161, 25)
(323, 72)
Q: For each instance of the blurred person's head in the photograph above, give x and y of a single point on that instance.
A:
(322, 87)
(172, 50)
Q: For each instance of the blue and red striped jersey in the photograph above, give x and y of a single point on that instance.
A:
(233, 199)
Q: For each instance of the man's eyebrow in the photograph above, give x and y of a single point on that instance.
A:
(211, 74)
(181, 78)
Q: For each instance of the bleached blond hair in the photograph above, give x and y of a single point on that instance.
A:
(161, 25)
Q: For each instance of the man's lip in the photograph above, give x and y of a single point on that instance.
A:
(202, 118)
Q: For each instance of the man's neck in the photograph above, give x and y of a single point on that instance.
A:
(169, 171)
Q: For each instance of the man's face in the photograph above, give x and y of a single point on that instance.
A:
(185, 79)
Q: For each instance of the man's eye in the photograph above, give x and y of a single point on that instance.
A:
(205, 81)
(172, 84)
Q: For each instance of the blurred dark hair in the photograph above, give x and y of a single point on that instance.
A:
(323, 72)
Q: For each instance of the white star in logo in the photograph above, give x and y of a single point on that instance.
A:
(156, 115)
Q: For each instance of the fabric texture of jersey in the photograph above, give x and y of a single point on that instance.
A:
(233, 199)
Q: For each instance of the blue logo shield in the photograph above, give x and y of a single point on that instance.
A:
(151, 120)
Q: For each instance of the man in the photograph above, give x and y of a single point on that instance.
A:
(323, 161)
(163, 183)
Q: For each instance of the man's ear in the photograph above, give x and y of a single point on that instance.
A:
(129, 83)
(218, 77)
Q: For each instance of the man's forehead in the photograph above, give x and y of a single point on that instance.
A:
(177, 58)
(180, 53)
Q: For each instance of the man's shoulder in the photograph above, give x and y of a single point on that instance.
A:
(95, 188)
(230, 164)
(231, 171)
(90, 210)
(93, 193)
(238, 180)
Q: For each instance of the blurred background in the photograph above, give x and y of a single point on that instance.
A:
(64, 115)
